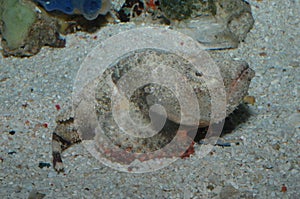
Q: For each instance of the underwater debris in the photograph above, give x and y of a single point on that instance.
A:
(131, 8)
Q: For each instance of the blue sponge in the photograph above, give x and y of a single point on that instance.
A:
(65, 6)
(90, 9)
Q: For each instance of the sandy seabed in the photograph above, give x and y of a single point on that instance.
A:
(266, 163)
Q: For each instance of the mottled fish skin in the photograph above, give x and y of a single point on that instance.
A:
(236, 77)
(90, 9)
(64, 135)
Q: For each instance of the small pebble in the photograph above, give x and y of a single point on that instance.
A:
(44, 164)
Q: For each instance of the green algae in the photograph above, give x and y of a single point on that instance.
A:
(17, 18)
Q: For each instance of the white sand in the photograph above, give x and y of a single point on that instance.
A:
(267, 157)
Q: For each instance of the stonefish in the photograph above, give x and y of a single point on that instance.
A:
(144, 102)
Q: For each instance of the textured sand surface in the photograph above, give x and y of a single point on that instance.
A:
(264, 163)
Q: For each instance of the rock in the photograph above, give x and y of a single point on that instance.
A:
(34, 194)
(17, 18)
(229, 192)
(294, 120)
(34, 29)
(216, 24)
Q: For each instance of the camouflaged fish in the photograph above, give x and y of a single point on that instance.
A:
(90, 9)
(72, 129)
